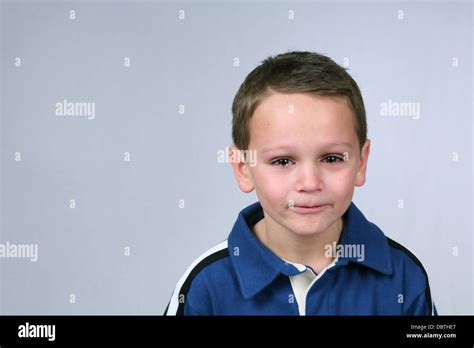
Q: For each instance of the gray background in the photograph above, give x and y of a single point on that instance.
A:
(190, 62)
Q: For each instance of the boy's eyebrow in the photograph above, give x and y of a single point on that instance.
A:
(284, 147)
(343, 143)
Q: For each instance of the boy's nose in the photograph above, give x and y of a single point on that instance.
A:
(309, 178)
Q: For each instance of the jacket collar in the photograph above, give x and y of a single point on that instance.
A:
(257, 266)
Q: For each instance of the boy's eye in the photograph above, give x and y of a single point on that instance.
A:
(281, 162)
(333, 159)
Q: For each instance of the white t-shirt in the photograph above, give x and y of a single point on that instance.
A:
(302, 282)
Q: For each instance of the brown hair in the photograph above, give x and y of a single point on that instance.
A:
(295, 72)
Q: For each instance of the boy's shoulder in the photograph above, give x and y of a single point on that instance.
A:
(382, 252)
(400, 257)
(213, 263)
(405, 271)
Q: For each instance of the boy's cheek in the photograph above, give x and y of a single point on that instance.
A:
(264, 177)
(344, 178)
(343, 186)
(272, 189)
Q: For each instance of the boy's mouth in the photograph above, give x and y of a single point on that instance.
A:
(308, 209)
(309, 205)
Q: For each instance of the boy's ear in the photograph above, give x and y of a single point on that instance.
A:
(241, 169)
(364, 157)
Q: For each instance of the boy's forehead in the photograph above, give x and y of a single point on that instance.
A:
(277, 99)
(302, 118)
(289, 146)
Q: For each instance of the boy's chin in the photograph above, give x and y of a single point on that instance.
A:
(307, 229)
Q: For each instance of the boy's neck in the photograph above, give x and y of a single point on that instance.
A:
(307, 250)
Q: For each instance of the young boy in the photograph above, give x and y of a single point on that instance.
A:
(304, 248)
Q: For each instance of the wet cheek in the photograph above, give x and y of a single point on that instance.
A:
(342, 184)
(273, 188)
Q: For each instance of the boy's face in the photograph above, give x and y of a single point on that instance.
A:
(307, 155)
